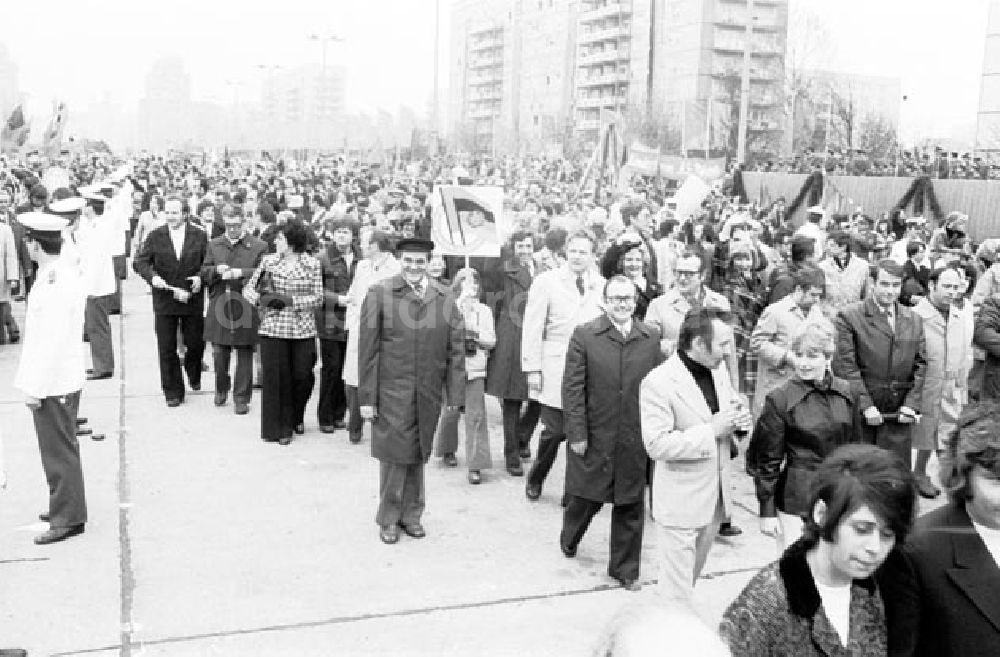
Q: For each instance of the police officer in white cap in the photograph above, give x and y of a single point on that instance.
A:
(51, 372)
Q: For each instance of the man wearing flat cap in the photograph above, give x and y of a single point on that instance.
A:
(51, 372)
(411, 348)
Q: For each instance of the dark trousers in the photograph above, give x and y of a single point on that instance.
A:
(192, 328)
(517, 428)
(242, 383)
(400, 494)
(548, 445)
(354, 421)
(121, 271)
(98, 327)
(287, 378)
(892, 436)
(332, 396)
(55, 424)
(626, 533)
(8, 325)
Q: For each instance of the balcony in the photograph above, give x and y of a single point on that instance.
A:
(485, 62)
(587, 125)
(764, 125)
(608, 10)
(480, 45)
(765, 73)
(764, 99)
(597, 102)
(600, 80)
(483, 112)
(609, 34)
(603, 56)
(483, 95)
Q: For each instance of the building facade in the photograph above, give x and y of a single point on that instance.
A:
(511, 74)
(988, 118)
(10, 93)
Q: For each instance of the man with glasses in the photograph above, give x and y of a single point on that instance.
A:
(606, 361)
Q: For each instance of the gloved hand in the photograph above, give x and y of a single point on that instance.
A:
(278, 301)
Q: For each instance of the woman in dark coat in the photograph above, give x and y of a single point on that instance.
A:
(606, 361)
(802, 421)
(506, 293)
(820, 599)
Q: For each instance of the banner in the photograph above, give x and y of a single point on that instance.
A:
(15, 131)
(468, 220)
(52, 139)
(647, 161)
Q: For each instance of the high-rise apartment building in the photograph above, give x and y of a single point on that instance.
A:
(988, 119)
(680, 61)
(511, 74)
(9, 90)
(303, 106)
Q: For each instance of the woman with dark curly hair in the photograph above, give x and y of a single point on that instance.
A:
(820, 598)
(288, 287)
(627, 258)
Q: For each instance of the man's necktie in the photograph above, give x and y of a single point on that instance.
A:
(579, 285)
(418, 289)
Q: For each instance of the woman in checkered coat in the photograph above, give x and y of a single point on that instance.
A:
(288, 287)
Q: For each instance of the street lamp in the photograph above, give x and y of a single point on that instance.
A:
(324, 83)
(270, 70)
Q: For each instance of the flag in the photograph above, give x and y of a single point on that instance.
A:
(15, 131)
(52, 141)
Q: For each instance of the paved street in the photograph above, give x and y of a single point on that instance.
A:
(203, 540)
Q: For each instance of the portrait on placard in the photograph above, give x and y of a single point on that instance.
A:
(468, 220)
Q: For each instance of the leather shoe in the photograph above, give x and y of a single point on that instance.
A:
(926, 488)
(242, 408)
(525, 452)
(56, 534)
(13, 652)
(97, 376)
(413, 530)
(355, 437)
(174, 403)
(475, 477)
(630, 585)
(44, 517)
(327, 428)
(729, 530)
(533, 492)
(285, 440)
(81, 420)
(450, 460)
(221, 398)
(568, 552)
(339, 424)
(515, 470)
(84, 431)
(389, 534)
(196, 386)
(300, 429)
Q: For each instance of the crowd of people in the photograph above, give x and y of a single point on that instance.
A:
(902, 163)
(838, 357)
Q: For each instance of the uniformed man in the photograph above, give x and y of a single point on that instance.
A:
(51, 372)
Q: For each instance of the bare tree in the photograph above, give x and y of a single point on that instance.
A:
(808, 48)
(878, 137)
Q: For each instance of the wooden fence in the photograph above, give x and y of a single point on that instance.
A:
(980, 199)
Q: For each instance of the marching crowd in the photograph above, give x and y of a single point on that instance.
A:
(836, 357)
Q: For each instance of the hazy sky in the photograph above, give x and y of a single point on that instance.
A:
(82, 50)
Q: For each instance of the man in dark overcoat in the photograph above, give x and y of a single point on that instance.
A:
(506, 293)
(880, 352)
(608, 358)
(411, 348)
(232, 322)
